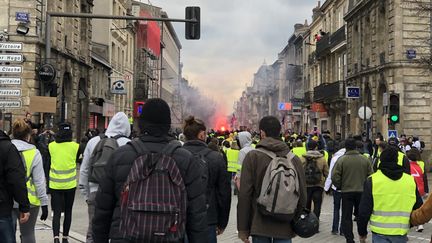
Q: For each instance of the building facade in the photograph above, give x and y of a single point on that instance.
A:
(119, 37)
(386, 42)
(70, 59)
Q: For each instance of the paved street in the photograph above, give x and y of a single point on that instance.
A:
(80, 223)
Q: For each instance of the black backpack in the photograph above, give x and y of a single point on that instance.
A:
(99, 158)
(154, 198)
(312, 172)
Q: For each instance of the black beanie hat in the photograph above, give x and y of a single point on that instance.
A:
(64, 133)
(155, 117)
(389, 156)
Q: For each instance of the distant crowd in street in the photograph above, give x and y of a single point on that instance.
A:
(161, 186)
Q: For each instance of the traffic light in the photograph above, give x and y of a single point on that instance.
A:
(193, 29)
(394, 108)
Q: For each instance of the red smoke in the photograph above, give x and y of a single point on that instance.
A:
(220, 121)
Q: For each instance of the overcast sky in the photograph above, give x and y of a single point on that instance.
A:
(236, 37)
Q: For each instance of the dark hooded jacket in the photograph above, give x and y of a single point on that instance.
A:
(12, 178)
(218, 186)
(249, 220)
(106, 221)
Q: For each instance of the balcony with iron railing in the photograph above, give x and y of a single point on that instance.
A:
(329, 92)
(328, 41)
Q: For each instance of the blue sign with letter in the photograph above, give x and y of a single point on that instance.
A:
(392, 134)
(22, 17)
(353, 92)
(411, 54)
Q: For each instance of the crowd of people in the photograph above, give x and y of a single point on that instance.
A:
(165, 187)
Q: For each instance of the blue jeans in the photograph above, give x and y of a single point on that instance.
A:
(263, 239)
(212, 238)
(377, 238)
(337, 199)
(7, 232)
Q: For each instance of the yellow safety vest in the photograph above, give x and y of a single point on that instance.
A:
(232, 157)
(393, 202)
(62, 175)
(299, 151)
(422, 165)
(326, 155)
(400, 159)
(29, 156)
(131, 120)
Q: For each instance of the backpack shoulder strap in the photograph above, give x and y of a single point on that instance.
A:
(139, 147)
(290, 156)
(171, 147)
(119, 136)
(205, 152)
(269, 153)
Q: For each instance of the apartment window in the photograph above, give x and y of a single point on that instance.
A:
(119, 61)
(340, 68)
(113, 52)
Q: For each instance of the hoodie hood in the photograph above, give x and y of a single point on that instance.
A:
(313, 154)
(22, 145)
(119, 125)
(245, 139)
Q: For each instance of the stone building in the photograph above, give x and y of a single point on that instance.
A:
(119, 37)
(329, 59)
(260, 98)
(385, 41)
(70, 57)
(312, 69)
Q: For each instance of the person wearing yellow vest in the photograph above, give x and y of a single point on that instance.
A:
(62, 179)
(387, 201)
(35, 180)
(402, 159)
(299, 150)
(232, 157)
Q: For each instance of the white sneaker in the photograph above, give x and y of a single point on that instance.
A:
(420, 228)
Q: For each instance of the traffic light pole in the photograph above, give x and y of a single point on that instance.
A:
(50, 15)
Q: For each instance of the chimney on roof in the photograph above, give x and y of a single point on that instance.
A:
(306, 23)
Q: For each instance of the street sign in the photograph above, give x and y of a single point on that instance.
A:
(352, 92)
(10, 81)
(392, 134)
(22, 17)
(411, 54)
(10, 92)
(284, 106)
(10, 69)
(11, 46)
(361, 113)
(11, 58)
(10, 104)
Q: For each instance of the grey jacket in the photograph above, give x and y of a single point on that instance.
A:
(119, 125)
(37, 171)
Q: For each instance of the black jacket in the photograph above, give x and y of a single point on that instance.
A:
(106, 221)
(218, 186)
(12, 178)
